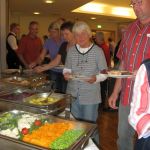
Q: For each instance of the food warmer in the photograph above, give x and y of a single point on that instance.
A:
(8, 122)
(54, 103)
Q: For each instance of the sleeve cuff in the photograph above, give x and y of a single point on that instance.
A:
(100, 77)
(66, 70)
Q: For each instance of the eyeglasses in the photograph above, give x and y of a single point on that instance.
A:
(138, 3)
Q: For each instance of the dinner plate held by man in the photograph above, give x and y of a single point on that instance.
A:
(118, 74)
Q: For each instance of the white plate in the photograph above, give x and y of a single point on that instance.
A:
(79, 78)
(59, 67)
(118, 76)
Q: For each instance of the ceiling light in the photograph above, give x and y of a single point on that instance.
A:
(36, 13)
(106, 9)
(121, 11)
(99, 26)
(49, 1)
(93, 18)
(93, 7)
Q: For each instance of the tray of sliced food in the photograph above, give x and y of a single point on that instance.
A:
(34, 82)
(25, 130)
(17, 80)
(24, 72)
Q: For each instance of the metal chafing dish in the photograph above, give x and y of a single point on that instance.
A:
(9, 143)
(38, 86)
(4, 88)
(53, 107)
(36, 83)
(16, 94)
(16, 80)
(18, 72)
(25, 96)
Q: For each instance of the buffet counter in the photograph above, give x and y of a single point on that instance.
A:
(17, 98)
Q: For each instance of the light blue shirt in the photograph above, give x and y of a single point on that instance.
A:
(52, 47)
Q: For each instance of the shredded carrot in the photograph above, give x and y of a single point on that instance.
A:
(47, 133)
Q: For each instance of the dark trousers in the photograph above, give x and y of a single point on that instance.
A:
(142, 144)
(13, 61)
(60, 83)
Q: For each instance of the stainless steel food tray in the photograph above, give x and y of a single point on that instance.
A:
(9, 143)
(4, 88)
(18, 72)
(37, 83)
(60, 104)
(16, 80)
(16, 95)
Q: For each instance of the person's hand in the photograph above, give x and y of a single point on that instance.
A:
(40, 69)
(112, 101)
(135, 72)
(32, 65)
(91, 80)
(67, 76)
(26, 66)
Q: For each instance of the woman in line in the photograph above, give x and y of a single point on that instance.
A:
(60, 58)
(85, 59)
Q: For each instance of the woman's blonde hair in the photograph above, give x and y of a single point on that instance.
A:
(54, 26)
(81, 26)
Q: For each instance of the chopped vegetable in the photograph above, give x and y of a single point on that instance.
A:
(47, 133)
(25, 131)
(66, 140)
(37, 123)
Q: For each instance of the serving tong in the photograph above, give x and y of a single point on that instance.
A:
(50, 93)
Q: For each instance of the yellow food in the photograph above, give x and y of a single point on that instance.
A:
(43, 100)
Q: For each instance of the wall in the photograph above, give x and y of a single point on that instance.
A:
(45, 21)
(24, 22)
(3, 28)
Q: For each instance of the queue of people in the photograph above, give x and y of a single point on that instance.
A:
(70, 44)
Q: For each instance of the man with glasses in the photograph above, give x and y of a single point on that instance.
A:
(134, 48)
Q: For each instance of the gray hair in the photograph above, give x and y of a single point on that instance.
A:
(81, 26)
(13, 26)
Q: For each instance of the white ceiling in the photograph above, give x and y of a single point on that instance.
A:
(63, 8)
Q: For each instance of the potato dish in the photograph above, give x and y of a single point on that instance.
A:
(43, 101)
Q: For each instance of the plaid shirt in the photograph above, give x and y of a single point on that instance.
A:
(134, 48)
